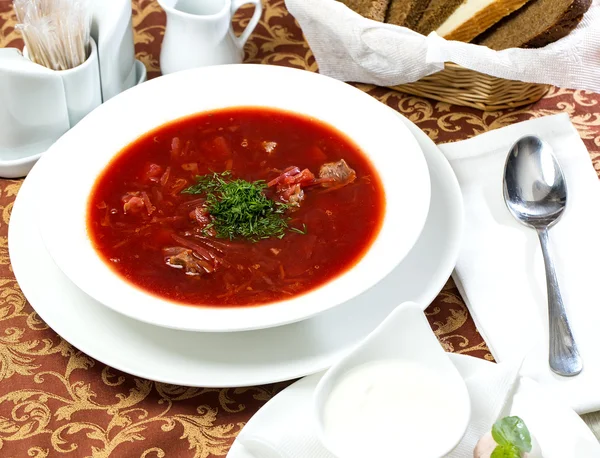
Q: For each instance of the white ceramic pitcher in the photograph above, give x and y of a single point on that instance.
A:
(199, 33)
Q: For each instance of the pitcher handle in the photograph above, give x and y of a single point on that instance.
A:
(235, 5)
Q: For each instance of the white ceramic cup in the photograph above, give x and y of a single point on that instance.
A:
(112, 29)
(83, 92)
(33, 111)
(199, 33)
(38, 105)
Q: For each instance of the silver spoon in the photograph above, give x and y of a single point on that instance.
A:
(536, 194)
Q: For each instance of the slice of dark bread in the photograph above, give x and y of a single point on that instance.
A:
(537, 24)
(406, 13)
(474, 17)
(436, 14)
(371, 9)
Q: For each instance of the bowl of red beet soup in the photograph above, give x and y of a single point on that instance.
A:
(233, 198)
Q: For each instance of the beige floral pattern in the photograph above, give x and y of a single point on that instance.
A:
(56, 401)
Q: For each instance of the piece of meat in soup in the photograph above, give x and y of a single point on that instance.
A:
(337, 174)
(183, 258)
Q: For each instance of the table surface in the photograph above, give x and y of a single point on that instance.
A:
(56, 401)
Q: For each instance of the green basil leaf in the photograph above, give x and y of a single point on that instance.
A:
(506, 451)
(512, 431)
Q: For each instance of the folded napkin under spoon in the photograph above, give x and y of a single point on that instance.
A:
(535, 193)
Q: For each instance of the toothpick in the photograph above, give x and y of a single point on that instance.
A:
(56, 32)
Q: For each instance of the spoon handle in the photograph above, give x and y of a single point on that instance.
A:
(564, 356)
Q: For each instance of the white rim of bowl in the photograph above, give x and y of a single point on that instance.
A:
(210, 319)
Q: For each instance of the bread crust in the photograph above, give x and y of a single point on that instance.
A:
(371, 9)
(436, 14)
(406, 13)
(566, 25)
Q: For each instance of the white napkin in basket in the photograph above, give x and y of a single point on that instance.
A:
(351, 48)
(284, 427)
(500, 270)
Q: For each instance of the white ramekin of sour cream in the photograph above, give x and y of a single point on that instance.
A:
(397, 394)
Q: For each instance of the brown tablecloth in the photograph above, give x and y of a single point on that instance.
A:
(56, 401)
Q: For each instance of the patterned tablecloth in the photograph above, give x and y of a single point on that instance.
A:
(56, 401)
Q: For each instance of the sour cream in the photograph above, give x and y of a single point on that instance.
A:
(390, 409)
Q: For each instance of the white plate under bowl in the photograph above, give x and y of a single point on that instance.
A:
(85, 151)
(241, 358)
(559, 431)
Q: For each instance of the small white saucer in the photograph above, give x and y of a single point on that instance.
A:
(18, 168)
(238, 358)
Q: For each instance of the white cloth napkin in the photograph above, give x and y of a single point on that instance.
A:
(351, 48)
(500, 270)
(284, 428)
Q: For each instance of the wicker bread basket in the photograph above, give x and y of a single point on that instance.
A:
(460, 86)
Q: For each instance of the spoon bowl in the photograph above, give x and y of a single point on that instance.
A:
(534, 185)
(535, 193)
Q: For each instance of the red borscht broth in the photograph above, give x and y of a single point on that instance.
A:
(236, 207)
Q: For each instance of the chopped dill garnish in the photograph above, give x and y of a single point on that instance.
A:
(206, 184)
(239, 208)
(302, 231)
